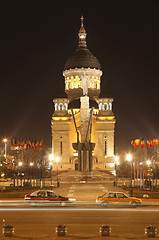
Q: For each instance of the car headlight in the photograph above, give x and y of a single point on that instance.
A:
(72, 199)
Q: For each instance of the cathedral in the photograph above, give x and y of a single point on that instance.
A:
(83, 123)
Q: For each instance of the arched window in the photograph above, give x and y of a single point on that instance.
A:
(100, 106)
(72, 82)
(55, 106)
(60, 106)
(65, 106)
(93, 83)
(79, 82)
(69, 83)
(76, 82)
(105, 106)
(110, 106)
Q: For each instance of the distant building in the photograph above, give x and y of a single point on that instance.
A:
(83, 63)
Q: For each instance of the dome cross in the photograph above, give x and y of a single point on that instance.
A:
(82, 18)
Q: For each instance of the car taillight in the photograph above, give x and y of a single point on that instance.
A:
(27, 197)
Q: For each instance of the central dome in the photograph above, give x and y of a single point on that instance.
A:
(82, 57)
(82, 71)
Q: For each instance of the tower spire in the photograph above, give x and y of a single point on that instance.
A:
(82, 35)
(82, 18)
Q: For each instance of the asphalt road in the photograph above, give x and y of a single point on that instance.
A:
(81, 223)
(83, 193)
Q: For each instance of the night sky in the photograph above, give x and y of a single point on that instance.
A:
(37, 37)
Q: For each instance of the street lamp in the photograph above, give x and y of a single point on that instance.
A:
(5, 145)
(14, 173)
(31, 174)
(141, 173)
(57, 159)
(148, 162)
(51, 165)
(51, 158)
(148, 171)
(116, 163)
(129, 159)
(20, 164)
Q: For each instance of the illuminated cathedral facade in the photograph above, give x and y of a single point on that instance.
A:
(66, 119)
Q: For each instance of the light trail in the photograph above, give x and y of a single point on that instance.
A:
(78, 209)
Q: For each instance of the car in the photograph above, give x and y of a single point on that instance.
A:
(3, 180)
(118, 198)
(47, 196)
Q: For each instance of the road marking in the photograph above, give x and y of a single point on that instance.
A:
(102, 188)
(70, 195)
(71, 190)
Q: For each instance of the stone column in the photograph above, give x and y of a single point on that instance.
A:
(84, 128)
(79, 161)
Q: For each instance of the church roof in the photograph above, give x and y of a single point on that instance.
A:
(82, 57)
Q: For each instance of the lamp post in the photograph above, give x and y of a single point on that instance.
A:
(51, 157)
(141, 167)
(153, 170)
(31, 164)
(14, 173)
(5, 147)
(57, 159)
(20, 164)
(148, 170)
(129, 159)
(116, 164)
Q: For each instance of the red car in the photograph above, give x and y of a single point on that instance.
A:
(45, 195)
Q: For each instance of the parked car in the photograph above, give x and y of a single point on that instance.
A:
(118, 198)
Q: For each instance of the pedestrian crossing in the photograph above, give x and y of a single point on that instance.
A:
(74, 187)
(71, 191)
(102, 188)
